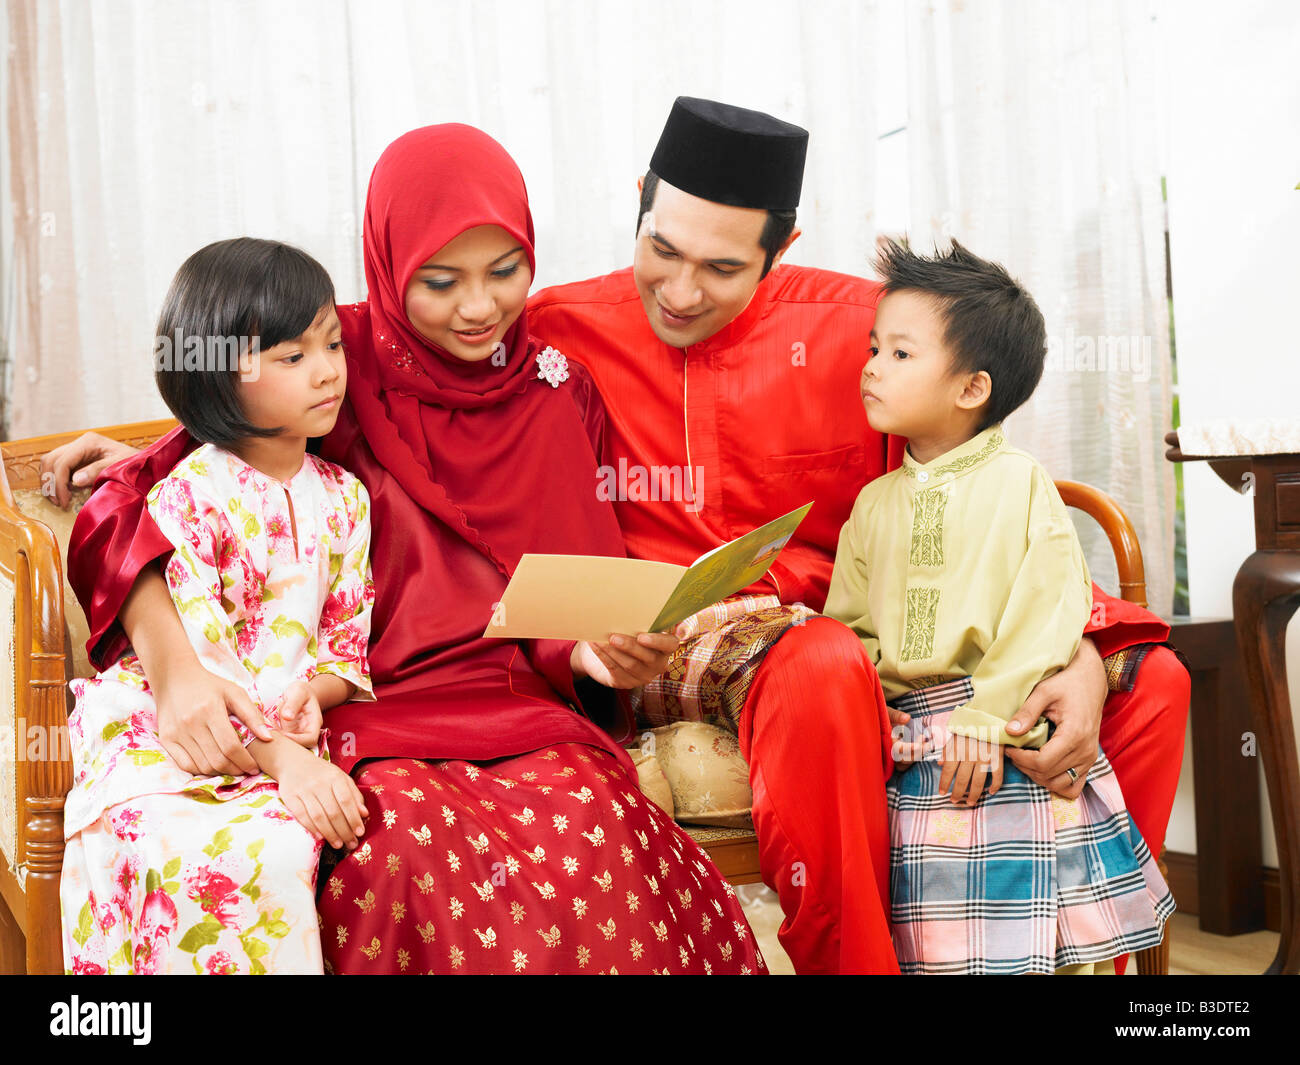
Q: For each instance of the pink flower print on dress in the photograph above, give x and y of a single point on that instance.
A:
(86, 968)
(105, 918)
(125, 876)
(248, 478)
(331, 474)
(552, 367)
(126, 825)
(141, 729)
(228, 552)
(239, 577)
(347, 645)
(279, 534)
(247, 636)
(177, 572)
(153, 934)
(276, 813)
(180, 502)
(220, 963)
(340, 607)
(215, 892)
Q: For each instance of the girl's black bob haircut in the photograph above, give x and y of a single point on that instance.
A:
(227, 299)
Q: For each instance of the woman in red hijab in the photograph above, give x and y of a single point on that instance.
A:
(506, 831)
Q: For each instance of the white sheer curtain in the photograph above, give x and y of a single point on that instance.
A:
(1035, 133)
(136, 132)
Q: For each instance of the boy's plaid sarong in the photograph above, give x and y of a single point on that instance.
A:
(1022, 882)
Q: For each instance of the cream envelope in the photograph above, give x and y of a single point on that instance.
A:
(589, 597)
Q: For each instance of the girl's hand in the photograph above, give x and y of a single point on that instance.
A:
(322, 798)
(300, 714)
(194, 711)
(624, 662)
(967, 764)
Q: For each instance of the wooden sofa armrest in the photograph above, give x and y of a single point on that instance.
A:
(22, 458)
(35, 720)
(1119, 531)
(37, 774)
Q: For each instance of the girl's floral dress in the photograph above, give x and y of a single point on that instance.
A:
(165, 872)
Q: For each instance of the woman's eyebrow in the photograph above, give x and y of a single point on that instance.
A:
(456, 269)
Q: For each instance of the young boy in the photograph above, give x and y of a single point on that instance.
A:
(962, 574)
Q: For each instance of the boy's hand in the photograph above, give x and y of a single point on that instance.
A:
(300, 714)
(903, 751)
(323, 799)
(967, 765)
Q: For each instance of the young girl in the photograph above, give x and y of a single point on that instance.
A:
(166, 872)
(963, 576)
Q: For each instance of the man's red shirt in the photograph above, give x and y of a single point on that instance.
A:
(765, 415)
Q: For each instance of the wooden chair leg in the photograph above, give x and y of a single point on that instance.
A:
(13, 944)
(44, 865)
(1154, 961)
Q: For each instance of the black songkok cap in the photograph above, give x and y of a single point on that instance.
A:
(731, 155)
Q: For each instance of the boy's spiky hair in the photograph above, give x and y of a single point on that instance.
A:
(991, 323)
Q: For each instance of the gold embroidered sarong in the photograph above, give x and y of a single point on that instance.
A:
(708, 677)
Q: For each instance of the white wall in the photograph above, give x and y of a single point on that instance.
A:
(1234, 223)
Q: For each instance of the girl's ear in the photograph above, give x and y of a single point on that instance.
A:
(977, 390)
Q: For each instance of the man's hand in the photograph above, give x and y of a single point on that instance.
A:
(624, 662)
(77, 464)
(194, 726)
(1073, 699)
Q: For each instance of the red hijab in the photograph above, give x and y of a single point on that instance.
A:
(480, 446)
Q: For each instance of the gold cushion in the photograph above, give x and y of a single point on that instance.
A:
(654, 785)
(708, 776)
(34, 505)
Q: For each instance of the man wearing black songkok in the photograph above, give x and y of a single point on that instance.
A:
(737, 377)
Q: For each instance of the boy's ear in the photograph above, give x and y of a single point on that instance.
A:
(978, 389)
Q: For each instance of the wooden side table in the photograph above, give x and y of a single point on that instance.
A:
(1228, 837)
(1265, 595)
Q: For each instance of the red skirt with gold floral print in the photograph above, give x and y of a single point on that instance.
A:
(551, 862)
